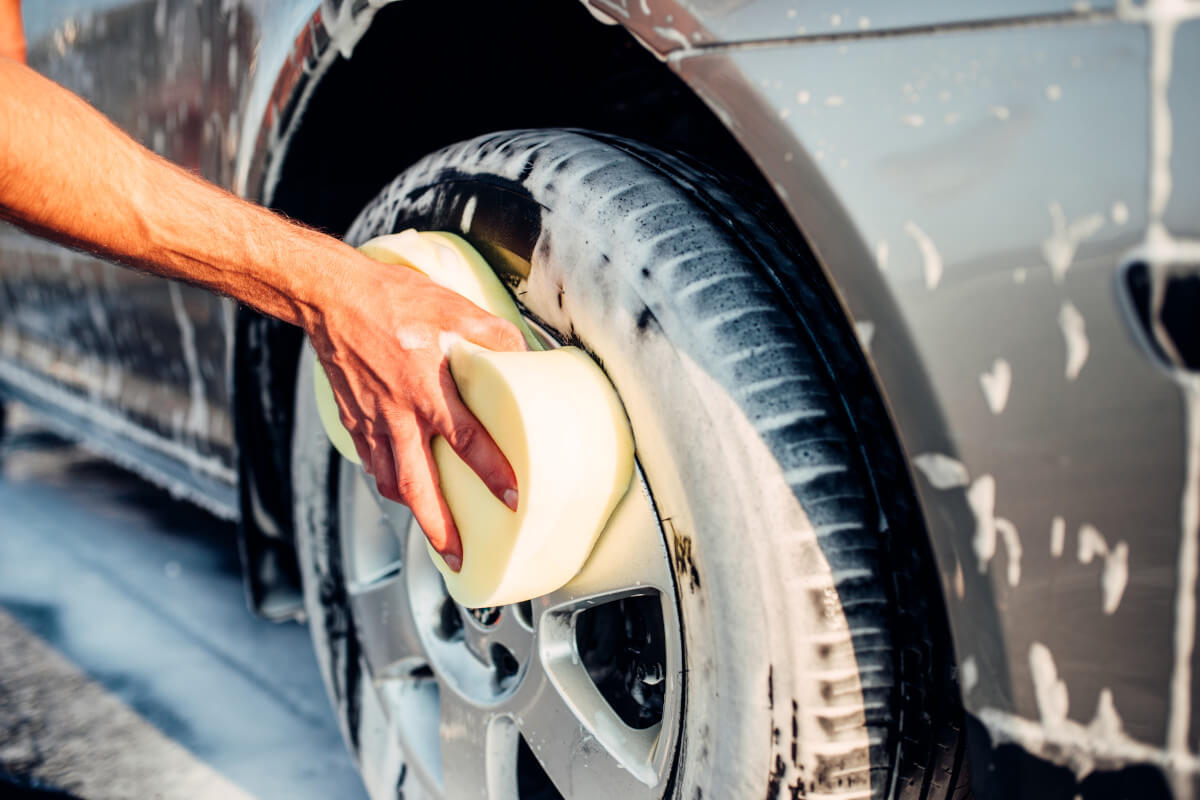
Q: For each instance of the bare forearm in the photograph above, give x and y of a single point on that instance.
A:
(12, 35)
(66, 172)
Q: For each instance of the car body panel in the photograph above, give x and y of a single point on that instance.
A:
(976, 196)
(678, 26)
(153, 353)
(974, 179)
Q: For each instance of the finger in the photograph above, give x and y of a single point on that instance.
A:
(383, 468)
(363, 450)
(494, 333)
(418, 483)
(471, 441)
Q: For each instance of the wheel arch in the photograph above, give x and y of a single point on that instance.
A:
(309, 164)
(313, 166)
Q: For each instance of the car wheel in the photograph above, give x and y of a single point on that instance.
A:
(738, 631)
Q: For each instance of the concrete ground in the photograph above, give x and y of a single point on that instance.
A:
(129, 665)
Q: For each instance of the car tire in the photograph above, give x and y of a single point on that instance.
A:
(814, 655)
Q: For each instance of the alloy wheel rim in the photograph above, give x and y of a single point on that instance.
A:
(578, 693)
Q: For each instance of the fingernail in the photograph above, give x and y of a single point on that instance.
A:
(510, 498)
(452, 561)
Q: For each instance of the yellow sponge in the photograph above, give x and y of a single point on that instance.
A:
(554, 415)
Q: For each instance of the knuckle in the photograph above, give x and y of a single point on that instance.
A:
(389, 489)
(406, 487)
(510, 334)
(463, 438)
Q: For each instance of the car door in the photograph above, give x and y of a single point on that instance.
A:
(150, 356)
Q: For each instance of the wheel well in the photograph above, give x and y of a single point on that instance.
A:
(429, 73)
(264, 386)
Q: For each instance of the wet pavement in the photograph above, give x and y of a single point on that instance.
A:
(129, 665)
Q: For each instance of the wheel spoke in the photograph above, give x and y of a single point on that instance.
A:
(370, 545)
(380, 751)
(512, 634)
(583, 746)
(387, 629)
(630, 558)
(414, 709)
(397, 515)
(479, 752)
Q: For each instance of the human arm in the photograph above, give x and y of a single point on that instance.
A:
(69, 174)
(12, 34)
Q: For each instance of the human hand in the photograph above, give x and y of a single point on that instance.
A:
(380, 332)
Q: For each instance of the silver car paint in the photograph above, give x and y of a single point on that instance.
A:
(975, 195)
(973, 181)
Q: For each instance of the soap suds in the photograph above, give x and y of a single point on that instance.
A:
(409, 339)
(468, 214)
(1053, 700)
(1179, 717)
(1020, 274)
(913, 120)
(942, 471)
(1119, 213)
(1102, 744)
(1058, 537)
(1012, 545)
(1053, 92)
(996, 384)
(803, 96)
(1115, 574)
(1074, 331)
(197, 416)
(1162, 18)
(970, 674)
(674, 36)
(881, 255)
(1059, 249)
(865, 331)
(1000, 112)
(835, 100)
(930, 258)
(989, 528)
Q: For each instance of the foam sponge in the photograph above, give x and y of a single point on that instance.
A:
(554, 415)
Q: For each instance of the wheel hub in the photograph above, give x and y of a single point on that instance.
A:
(576, 694)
